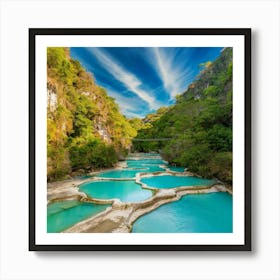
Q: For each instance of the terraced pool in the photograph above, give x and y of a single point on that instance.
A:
(126, 191)
(210, 212)
(200, 213)
(169, 181)
(63, 214)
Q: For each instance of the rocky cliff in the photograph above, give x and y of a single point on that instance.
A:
(85, 127)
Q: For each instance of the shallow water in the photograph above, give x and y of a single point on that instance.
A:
(63, 214)
(169, 181)
(201, 213)
(149, 165)
(193, 213)
(126, 191)
(118, 174)
(141, 162)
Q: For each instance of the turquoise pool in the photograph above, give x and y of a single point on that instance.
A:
(141, 162)
(193, 213)
(169, 181)
(64, 214)
(119, 174)
(198, 213)
(126, 191)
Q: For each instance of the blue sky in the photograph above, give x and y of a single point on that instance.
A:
(143, 79)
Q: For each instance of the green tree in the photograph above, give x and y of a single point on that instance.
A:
(200, 123)
(86, 129)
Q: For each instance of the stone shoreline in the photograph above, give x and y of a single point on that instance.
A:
(120, 216)
(69, 189)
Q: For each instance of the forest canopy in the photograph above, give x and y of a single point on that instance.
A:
(199, 123)
(87, 131)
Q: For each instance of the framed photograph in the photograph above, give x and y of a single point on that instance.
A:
(140, 139)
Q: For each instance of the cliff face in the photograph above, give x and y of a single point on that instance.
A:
(214, 80)
(85, 127)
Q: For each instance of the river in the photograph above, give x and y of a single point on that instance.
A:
(192, 213)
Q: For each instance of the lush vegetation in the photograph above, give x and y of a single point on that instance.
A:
(85, 129)
(199, 123)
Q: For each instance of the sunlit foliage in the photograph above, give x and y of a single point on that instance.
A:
(85, 129)
(200, 124)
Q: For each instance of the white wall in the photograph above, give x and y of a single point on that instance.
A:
(17, 262)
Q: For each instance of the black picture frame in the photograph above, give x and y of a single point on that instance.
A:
(246, 32)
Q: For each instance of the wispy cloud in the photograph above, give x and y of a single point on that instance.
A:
(130, 114)
(174, 78)
(129, 80)
(143, 79)
(129, 106)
